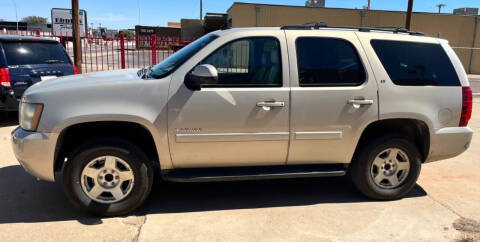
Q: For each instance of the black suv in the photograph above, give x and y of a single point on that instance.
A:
(26, 60)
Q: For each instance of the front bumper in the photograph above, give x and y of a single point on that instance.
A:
(449, 142)
(35, 151)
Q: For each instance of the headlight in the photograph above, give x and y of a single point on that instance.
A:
(30, 115)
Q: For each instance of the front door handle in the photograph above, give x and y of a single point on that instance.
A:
(360, 102)
(268, 105)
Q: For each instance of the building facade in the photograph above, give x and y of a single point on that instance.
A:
(465, 11)
(315, 3)
(460, 30)
(144, 35)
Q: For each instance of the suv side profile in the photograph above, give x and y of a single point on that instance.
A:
(252, 103)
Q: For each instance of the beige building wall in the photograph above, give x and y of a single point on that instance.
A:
(458, 30)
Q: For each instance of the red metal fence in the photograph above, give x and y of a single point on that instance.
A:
(102, 54)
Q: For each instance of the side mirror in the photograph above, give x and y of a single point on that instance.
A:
(201, 75)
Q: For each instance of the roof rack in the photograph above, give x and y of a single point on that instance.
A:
(307, 26)
(323, 25)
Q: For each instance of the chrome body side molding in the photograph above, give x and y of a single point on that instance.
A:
(232, 137)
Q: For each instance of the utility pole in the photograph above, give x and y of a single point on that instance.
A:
(201, 9)
(440, 6)
(138, 4)
(16, 15)
(77, 46)
(409, 14)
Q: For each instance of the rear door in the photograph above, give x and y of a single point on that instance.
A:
(333, 95)
(32, 61)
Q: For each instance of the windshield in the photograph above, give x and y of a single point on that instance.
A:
(176, 60)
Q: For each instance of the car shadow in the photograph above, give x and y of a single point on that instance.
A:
(8, 118)
(26, 200)
(23, 199)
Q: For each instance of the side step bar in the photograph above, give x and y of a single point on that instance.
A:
(252, 173)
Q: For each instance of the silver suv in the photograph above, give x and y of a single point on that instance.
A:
(255, 103)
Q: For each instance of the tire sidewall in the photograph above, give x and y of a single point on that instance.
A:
(369, 155)
(136, 160)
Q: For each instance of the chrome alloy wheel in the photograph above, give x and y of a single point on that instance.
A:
(107, 179)
(390, 168)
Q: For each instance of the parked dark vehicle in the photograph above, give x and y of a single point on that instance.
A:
(26, 60)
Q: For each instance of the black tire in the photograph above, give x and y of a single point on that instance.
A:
(128, 152)
(361, 165)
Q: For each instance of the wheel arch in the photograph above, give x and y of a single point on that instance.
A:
(139, 130)
(415, 129)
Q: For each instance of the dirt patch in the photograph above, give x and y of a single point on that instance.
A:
(467, 225)
(470, 229)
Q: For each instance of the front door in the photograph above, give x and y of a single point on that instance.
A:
(334, 96)
(230, 123)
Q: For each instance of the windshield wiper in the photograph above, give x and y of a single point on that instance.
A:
(53, 61)
(145, 72)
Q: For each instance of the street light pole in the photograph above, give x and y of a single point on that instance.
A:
(16, 15)
(201, 9)
(138, 4)
(409, 14)
(77, 46)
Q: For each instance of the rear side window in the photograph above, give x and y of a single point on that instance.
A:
(328, 62)
(416, 64)
(29, 53)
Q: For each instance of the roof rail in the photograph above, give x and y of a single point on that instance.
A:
(307, 26)
(322, 25)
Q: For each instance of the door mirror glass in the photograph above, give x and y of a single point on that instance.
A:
(201, 75)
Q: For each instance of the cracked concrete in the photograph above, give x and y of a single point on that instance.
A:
(445, 206)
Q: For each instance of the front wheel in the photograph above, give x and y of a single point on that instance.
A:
(108, 177)
(386, 168)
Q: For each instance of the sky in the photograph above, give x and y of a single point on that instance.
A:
(119, 14)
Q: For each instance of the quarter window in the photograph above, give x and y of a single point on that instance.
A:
(328, 62)
(248, 62)
(416, 64)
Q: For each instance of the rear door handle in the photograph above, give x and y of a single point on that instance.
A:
(360, 102)
(268, 105)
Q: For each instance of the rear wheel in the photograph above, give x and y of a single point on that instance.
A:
(386, 168)
(108, 177)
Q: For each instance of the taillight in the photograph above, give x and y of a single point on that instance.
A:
(466, 106)
(5, 78)
(75, 70)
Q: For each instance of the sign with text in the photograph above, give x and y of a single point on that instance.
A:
(62, 22)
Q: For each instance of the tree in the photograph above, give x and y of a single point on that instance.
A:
(34, 20)
(127, 33)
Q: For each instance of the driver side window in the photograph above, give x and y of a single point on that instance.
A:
(250, 62)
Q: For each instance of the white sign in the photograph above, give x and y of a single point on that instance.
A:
(62, 22)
